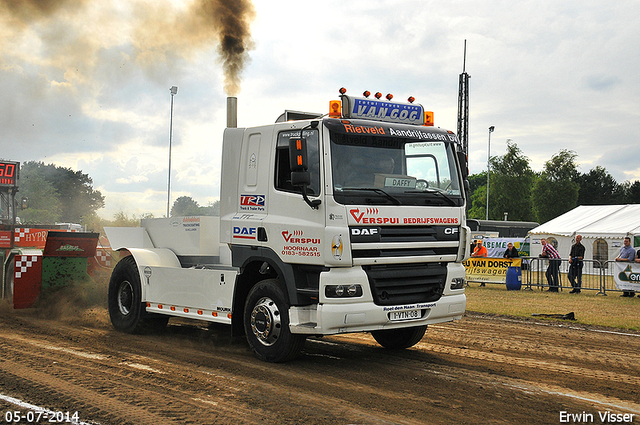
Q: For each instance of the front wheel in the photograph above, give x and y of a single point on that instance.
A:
(266, 324)
(399, 339)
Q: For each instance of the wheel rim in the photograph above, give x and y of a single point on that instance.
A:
(265, 321)
(125, 298)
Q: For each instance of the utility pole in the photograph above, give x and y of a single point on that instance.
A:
(174, 91)
(463, 105)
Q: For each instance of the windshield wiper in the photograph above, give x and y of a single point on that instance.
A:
(441, 194)
(373, 189)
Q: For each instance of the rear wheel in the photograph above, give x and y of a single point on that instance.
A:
(126, 309)
(266, 323)
(399, 339)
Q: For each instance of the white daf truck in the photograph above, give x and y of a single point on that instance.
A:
(352, 221)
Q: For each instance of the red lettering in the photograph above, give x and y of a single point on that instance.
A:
(350, 128)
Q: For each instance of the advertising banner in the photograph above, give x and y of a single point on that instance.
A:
(497, 246)
(627, 276)
(489, 269)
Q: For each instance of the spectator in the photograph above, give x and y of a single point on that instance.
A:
(576, 255)
(479, 251)
(627, 253)
(638, 261)
(548, 251)
(511, 251)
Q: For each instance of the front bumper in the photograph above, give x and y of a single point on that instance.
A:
(335, 316)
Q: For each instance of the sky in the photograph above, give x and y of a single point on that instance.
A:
(86, 83)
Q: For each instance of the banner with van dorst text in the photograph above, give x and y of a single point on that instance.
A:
(492, 270)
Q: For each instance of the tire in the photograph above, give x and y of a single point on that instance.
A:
(266, 323)
(126, 309)
(399, 339)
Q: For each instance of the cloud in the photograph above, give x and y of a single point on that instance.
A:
(602, 82)
(86, 82)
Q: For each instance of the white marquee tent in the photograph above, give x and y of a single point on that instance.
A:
(603, 229)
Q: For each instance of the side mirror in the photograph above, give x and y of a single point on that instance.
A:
(298, 157)
(299, 165)
(298, 162)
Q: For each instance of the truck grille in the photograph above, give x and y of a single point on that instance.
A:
(404, 241)
(393, 284)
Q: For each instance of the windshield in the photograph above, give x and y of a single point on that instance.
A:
(392, 164)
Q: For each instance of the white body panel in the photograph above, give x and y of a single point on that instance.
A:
(204, 294)
(185, 235)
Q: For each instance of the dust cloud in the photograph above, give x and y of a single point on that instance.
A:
(24, 12)
(70, 302)
(159, 36)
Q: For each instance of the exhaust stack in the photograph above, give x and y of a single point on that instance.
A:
(232, 112)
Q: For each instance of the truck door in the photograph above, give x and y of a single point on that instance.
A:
(296, 230)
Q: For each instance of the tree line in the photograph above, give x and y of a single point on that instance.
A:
(514, 188)
(57, 194)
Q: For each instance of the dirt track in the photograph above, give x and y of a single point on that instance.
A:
(480, 370)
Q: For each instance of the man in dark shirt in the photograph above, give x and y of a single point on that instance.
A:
(511, 251)
(576, 255)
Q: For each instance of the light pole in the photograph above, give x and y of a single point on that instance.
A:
(488, 168)
(174, 91)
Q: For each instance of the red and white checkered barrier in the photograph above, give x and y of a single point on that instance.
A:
(24, 263)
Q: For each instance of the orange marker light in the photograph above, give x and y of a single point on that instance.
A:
(335, 107)
(411, 99)
(160, 306)
(173, 308)
(214, 313)
(428, 118)
(378, 95)
(366, 93)
(186, 310)
(389, 96)
(342, 90)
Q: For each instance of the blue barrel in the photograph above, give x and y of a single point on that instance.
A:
(514, 279)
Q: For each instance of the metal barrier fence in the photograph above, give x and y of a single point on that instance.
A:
(596, 276)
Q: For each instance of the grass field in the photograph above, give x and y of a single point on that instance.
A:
(591, 309)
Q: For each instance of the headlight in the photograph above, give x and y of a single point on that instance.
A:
(343, 291)
(458, 283)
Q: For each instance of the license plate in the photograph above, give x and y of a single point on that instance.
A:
(395, 316)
